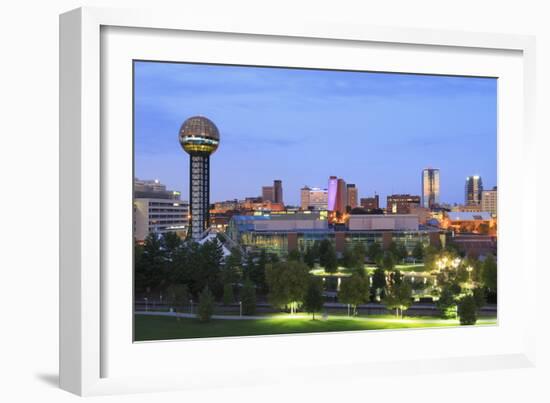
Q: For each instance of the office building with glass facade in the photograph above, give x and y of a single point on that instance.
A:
(473, 190)
(282, 233)
(430, 188)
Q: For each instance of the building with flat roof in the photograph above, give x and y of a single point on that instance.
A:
(472, 190)
(268, 193)
(313, 198)
(153, 188)
(341, 196)
(475, 245)
(281, 233)
(351, 195)
(401, 203)
(159, 216)
(430, 187)
(158, 210)
(489, 201)
(468, 208)
(370, 203)
(278, 191)
(467, 222)
(400, 222)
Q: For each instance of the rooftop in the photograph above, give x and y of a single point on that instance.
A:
(469, 216)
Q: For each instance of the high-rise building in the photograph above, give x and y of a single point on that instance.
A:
(313, 198)
(489, 201)
(157, 210)
(473, 190)
(199, 137)
(430, 187)
(337, 194)
(332, 192)
(370, 203)
(268, 194)
(278, 191)
(304, 198)
(401, 203)
(341, 196)
(351, 195)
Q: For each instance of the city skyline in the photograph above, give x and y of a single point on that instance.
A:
(260, 110)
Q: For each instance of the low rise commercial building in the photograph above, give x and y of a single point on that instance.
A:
(280, 234)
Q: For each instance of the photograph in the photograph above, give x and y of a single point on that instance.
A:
(276, 200)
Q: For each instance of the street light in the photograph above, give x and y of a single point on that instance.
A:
(240, 308)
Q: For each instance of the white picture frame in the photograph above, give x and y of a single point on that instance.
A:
(96, 355)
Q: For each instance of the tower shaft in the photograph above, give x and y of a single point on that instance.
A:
(199, 192)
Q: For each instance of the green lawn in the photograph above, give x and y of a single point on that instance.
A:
(411, 267)
(164, 328)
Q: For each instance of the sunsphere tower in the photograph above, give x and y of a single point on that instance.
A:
(199, 137)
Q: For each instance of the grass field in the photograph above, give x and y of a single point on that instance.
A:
(165, 328)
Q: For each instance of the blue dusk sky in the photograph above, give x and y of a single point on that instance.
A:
(376, 130)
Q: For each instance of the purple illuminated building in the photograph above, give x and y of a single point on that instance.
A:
(332, 190)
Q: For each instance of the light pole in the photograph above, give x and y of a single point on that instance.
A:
(145, 303)
(191, 301)
(240, 308)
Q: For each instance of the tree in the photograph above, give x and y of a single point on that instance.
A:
(399, 297)
(232, 270)
(418, 251)
(354, 290)
(255, 270)
(150, 265)
(212, 256)
(396, 278)
(178, 296)
(446, 303)
(204, 264)
(398, 250)
(170, 242)
(310, 257)
(228, 296)
(431, 255)
(287, 283)
(374, 252)
(479, 297)
(206, 305)
(359, 254)
(248, 298)
(313, 299)
(347, 259)
(295, 255)
(489, 274)
(388, 261)
(378, 283)
(402, 252)
(467, 310)
(327, 256)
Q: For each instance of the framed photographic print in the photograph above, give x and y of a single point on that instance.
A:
(291, 195)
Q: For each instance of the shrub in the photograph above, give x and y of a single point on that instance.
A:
(248, 298)
(206, 305)
(467, 310)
